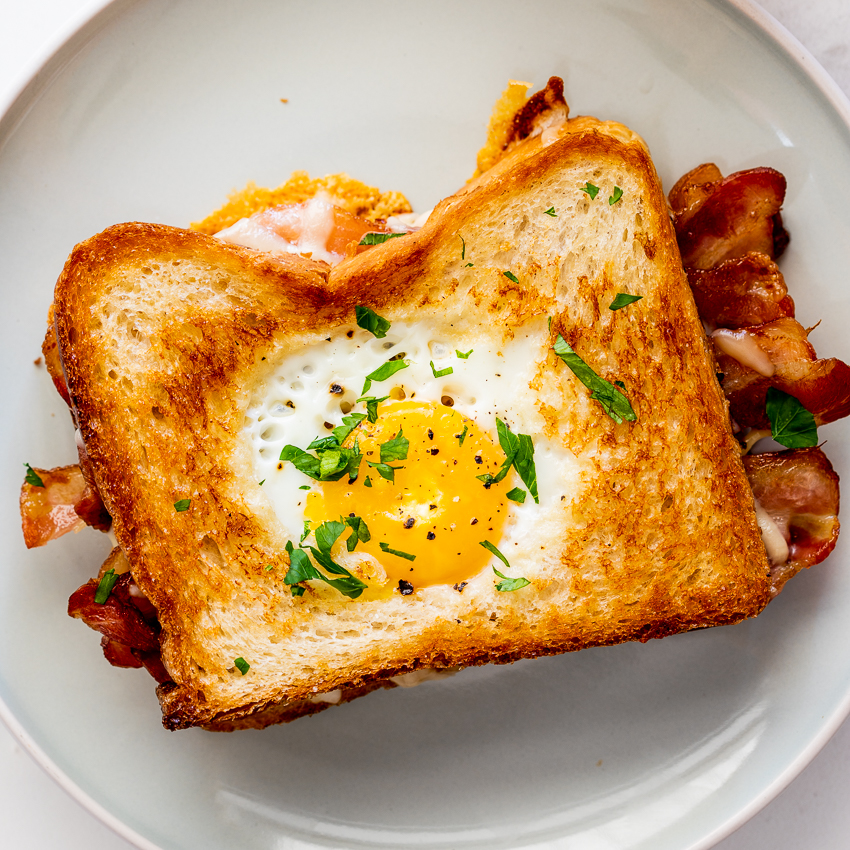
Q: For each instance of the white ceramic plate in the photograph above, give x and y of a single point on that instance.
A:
(154, 111)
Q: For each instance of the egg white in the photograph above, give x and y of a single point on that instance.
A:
(295, 404)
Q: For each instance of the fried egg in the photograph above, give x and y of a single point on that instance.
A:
(427, 524)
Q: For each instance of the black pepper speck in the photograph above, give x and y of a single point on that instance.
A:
(405, 587)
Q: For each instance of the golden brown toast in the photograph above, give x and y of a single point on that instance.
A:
(167, 335)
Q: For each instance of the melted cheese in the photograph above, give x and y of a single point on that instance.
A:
(743, 347)
(774, 540)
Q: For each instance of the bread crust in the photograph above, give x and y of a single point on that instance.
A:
(163, 333)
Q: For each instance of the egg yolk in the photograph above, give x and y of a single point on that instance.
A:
(436, 509)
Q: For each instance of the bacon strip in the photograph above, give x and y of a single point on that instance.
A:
(822, 386)
(799, 490)
(741, 292)
(720, 219)
(127, 620)
(67, 502)
(48, 512)
(52, 360)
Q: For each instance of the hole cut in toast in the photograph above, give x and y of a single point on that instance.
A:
(447, 450)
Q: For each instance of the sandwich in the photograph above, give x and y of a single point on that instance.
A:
(499, 435)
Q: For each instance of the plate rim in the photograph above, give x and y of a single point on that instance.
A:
(49, 61)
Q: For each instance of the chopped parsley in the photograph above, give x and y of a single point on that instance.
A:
(407, 556)
(384, 470)
(32, 477)
(519, 453)
(395, 449)
(462, 436)
(305, 533)
(613, 402)
(331, 460)
(104, 586)
(262, 482)
(463, 356)
(590, 189)
(182, 505)
(791, 424)
(384, 371)
(301, 568)
(268, 568)
(618, 193)
(623, 299)
(359, 532)
(440, 373)
(507, 584)
(367, 482)
(511, 276)
(369, 320)
(304, 487)
(378, 238)
(462, 247)
(372, 406)
(550, 211)
(516, 495)
(241, 665)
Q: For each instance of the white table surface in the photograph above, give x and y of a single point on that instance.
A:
(813, 812)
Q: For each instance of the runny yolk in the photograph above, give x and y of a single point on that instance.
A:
(436, 509)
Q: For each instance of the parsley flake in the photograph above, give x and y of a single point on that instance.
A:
(367, 482)
(372, 406)
(590, 189)
(370, 321)
(462, 436)
(462, 247)
(618, 193)
(463, 356)
(359, 532)
(384, 371)
(516, 495)
(406, 555)
(241, 665)
(378, 238)
(104, 586)
(440, 373)
(182, 505)
(386, 471)
(395, 449)
(507, 584)
(304, 487)
(550, 211)
(613, 402)
(511, 276)
(791, 424)
(301, 569)
(623, 299)
(32, 477)
(519, 453)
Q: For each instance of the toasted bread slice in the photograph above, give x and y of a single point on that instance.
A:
(166, 336)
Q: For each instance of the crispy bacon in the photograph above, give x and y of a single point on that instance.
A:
(67, 502)
(718, 219)
(50, 350)
(48, 512)
(118, 618)
(90, 506)
(741, 292)
(127, 621)
(799, 490)
(822, 386)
